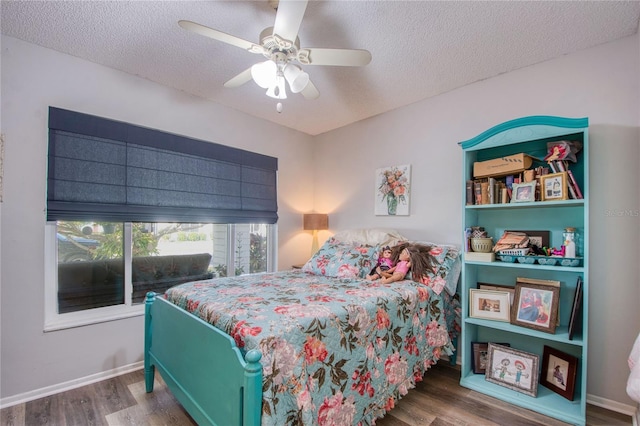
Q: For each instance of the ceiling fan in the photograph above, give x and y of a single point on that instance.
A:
(281, 46)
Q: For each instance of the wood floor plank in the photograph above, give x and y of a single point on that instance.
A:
(115, 395)
(406, 413)
(81, 408)
(13, 416)
(156, 408)
(44, 411)
(439, 400)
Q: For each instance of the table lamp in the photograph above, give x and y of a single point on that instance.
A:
(315, 222)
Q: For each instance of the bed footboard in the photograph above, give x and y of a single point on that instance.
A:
(202, 366)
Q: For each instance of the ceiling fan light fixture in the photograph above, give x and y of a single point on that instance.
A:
(296, 78)
(264, 74)
(278, 89)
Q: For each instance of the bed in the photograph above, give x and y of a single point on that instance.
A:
(320, 345)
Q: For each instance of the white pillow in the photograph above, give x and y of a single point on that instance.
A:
(373, 236)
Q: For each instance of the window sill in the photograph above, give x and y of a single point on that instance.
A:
(92, 316)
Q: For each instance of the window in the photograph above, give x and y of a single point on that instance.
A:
(105, 269)
(132, 210)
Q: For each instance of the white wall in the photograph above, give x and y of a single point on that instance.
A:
(600, 83)
(34, 78)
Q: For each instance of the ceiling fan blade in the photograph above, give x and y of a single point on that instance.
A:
(239, 79)
(220, 36)
(288, 18)
(339, 57)
(310, 92)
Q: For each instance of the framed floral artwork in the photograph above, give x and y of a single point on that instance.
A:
(393, 185)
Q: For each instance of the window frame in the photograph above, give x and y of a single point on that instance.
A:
(54, 321)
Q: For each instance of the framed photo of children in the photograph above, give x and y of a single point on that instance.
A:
(523, 192)
(393, 190)
(513, 369)
(559, 372)
(554, 186)
(489, 304)
(536, 306)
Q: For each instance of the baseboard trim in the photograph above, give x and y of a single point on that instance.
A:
(72, 384)
(609, 404)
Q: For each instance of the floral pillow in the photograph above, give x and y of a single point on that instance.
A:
(342, 260)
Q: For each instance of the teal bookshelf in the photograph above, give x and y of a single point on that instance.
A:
(529, 135)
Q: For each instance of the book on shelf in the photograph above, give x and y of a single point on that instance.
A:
(575, 309)
(469, 189)
(576, 188)
(492, 190)
(508, 181)
(486, 191)
(477, 191)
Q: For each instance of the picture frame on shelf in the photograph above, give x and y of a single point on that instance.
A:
(480, 353)
(489, 304)
(554, 187)
(499, 287)
(537, 238)
(574, 319)
(536, 306)
(523, 192)
(559, 371)
(513, 369)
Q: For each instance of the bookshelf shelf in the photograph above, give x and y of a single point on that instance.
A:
(532, 205)
(530, 136)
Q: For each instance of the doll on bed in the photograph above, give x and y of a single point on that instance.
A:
(385, 263)
(408, 256)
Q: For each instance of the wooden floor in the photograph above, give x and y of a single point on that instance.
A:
(437, 401)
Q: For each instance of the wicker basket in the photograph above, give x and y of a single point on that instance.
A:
(481, 245)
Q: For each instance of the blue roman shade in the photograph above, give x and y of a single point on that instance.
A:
(106, 170)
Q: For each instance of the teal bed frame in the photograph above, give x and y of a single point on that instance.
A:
(202, 366)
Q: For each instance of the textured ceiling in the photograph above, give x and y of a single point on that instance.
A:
(420, 48)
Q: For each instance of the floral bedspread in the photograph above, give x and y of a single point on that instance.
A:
(334, 351)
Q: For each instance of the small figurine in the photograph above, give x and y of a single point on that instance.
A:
(558, 252)
(385, 263)
(557, 152)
